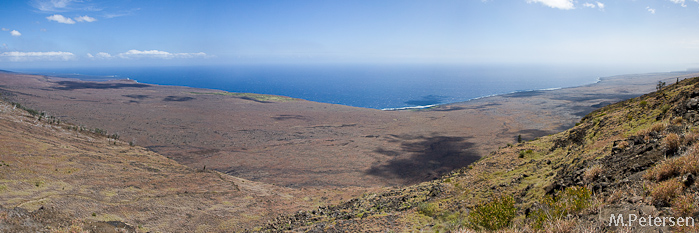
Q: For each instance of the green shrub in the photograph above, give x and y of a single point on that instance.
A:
(493, 215)
(643, 104)
(427, 209)
(572, 200)
(664, 108)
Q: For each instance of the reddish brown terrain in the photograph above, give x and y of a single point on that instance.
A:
(54, 177)
(222, 162)
(298, 143)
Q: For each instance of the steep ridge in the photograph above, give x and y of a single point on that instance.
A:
(638, 157)
(57, 176)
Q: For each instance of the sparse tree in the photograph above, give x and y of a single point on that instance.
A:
(660, 85)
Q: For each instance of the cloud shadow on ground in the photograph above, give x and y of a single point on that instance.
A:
(73, 85)
(423, 158)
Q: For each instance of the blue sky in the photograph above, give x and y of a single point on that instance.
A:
(52, 33)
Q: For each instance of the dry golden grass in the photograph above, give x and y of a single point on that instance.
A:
(672, 142)
(615, 196)
(623, 144)
(677, 121)
(593, 172)
(560, 226)
(658, 127)
(684, 205)
(667, 190)
(688, 163)
(75, 227)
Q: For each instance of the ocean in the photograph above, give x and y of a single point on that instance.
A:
(369, 86)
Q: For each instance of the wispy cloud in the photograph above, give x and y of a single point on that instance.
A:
(681, 2)
(121, 13)
(85, 19)
(63, 5)
(5, 29)
(104, 55)
(100, 55)
(651, 10)
(36, 56)
(558, 4)
(66, 20)
(594, 5)
(52, 5)
(60, 19)
(134, 54)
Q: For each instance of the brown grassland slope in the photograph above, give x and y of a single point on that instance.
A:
(638, 156)
(301, 144)
(56, 176)
(78, 162)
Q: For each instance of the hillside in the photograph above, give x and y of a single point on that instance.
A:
(57, 173)
(303, 144)
(57, 176)
(638, 156)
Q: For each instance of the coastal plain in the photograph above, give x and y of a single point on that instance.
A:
(208, 160)
(297, 143)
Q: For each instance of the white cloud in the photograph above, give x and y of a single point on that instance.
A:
(64, 5)
(681, 2)
(36, 56)
(560, 4)
(51, 5)
(158, 54)
(104, 55)
(15, 33)
(60, 19)
(5, 29)
(594, 5)
(100, 55)
(651, 10)
(85, 19)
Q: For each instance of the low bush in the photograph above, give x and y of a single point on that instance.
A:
(572, 200)
(493, 215)
(427, 209)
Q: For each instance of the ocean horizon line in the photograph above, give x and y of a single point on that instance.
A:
(430, 91)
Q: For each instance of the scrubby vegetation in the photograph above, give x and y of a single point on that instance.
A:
(640, 156)
(494, 215)
(251, 96)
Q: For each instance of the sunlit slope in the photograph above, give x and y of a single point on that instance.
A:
(54, 175)
(637, 156)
